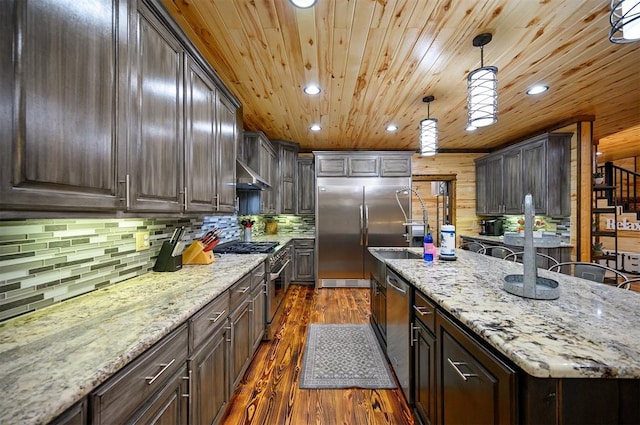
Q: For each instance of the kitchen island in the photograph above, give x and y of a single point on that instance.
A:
(585, 344)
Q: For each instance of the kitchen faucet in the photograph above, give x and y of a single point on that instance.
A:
(410, 222)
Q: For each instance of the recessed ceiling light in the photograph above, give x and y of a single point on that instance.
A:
(537, 89)
(599, 153)
(312, 89)
(392, 127)
(303, 4)
(315, 127)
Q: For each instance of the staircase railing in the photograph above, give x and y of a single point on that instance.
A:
(626, 183)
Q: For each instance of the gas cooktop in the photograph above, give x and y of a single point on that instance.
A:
(245, 248)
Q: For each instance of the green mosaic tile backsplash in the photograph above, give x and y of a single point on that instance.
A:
(44, 261)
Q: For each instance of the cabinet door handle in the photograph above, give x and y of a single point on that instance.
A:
(189, 390)
(127, 191)
(243, 290)
(165, 366)
(413, 337)
(218, 316)
(230, 329)
(217, 198)
(455, 367)
(422, 311)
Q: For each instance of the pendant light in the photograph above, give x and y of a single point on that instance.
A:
(304, 4)
(482, 90)
(625, 21)
(428, 132)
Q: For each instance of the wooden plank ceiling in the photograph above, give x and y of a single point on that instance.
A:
(376, 59)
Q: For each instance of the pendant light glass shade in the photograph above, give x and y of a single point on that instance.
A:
(482, 90)
(482, 96)
(303, 4)
(428, 137)
(625, 21)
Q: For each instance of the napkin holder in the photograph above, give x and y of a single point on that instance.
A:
(195, 254)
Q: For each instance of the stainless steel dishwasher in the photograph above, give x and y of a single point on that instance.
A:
(398, 307)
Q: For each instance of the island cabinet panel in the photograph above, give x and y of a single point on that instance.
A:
(155, 139)
(151, 385)
(424, 359)
(61, 109)
(474, 386)
(580, 401)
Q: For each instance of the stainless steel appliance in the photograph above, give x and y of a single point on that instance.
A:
(351, 215)
(398, 307)
(279, 277)
(491, 227)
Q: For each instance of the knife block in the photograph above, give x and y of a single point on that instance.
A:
(167, 262)
(195, 254)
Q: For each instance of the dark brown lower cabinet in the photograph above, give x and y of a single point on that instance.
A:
(168, 407)
(241, 343)
(424, 373)
(153, 389)
(209, 374)
(474, 386)
(75, 415)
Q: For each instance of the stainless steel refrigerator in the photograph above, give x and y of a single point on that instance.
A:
(353, 214)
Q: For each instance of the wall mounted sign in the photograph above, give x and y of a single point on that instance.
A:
(623, 225)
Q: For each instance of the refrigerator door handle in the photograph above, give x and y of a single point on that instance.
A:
(366, 225)
(361, 225)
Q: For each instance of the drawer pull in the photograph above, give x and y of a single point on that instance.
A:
(165, 366)
(218, 316)
(243, 290)
(463, 375)
(422, 310)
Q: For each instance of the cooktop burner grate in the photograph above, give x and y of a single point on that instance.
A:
(245, 248)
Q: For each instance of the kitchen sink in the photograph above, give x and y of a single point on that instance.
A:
(397, 254)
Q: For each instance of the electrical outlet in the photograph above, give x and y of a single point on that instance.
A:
(142, 241)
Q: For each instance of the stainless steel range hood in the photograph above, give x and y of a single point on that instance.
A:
(248, 179)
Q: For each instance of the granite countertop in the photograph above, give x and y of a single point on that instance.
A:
(500, 240)
(53, 357)
(591, 331)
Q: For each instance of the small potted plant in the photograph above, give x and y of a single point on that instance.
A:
(598, 177)
(596, 248)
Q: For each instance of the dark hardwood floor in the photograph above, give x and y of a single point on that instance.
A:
(269, 393)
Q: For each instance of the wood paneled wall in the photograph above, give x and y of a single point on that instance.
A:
(462, 166)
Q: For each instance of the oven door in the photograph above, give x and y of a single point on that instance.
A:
(277, 287)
